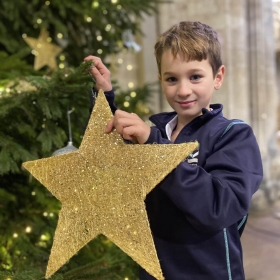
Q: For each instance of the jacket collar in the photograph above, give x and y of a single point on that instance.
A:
(161, 119)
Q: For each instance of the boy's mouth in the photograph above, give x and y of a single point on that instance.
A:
(186, 102)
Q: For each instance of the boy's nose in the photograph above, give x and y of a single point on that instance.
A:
(184, 89)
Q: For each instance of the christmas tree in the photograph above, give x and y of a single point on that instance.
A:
(42, 81)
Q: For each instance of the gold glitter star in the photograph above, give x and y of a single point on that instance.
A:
(45, 52)
(102, 188)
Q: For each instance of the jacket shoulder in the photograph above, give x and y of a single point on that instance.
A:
(220, 126)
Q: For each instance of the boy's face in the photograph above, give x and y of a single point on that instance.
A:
(188, 86)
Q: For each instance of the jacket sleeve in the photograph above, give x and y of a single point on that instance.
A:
(218, 194)
(110, 96)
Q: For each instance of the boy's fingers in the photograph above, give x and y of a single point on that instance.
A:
(95, 73)
(124, 114)
(91, 57)
(101, 67)
(98, 64)
(109, 126)
(130, 138)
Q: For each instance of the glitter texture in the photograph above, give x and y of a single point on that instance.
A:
(102, 188)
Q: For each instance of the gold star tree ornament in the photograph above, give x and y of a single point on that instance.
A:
(45, 52)
(102, 187)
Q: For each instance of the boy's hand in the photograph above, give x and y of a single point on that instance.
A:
(130, 126)
(101, 74)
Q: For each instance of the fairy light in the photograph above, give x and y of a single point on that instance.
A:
(99, 38)
(133, 94)
(51, 214)
(114, 1)
(49, 39)
(62, 57)
(28, 229)
(120, 60)
(129, 67)
(39, 21)
(33, 193)
(24, 35)
(130, 84)
(15, 235)
(39, 46)
(61, 66)
(95, 4)
(43, 237)
(105, 12)
(47, 3)
(59, 35)
(99, 51)
(126, 104)
(108, 27)
(45, 214)
(119, 7)
(8, 90)
(88, 19)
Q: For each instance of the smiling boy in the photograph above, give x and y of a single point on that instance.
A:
(198, 212)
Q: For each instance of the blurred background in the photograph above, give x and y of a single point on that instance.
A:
(43, 81)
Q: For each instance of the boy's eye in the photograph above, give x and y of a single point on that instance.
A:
(195, 77)
(171, 79)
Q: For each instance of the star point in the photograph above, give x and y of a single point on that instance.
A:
(102, 188)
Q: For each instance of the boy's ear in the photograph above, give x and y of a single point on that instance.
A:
(219, 77)
(159, 77)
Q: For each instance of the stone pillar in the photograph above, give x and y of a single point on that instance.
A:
(263, 94)
(262, 72)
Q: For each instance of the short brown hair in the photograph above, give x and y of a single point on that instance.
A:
(194, 40)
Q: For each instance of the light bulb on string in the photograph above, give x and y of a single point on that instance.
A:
(70, 147)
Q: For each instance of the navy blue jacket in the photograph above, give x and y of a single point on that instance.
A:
(197, 213)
